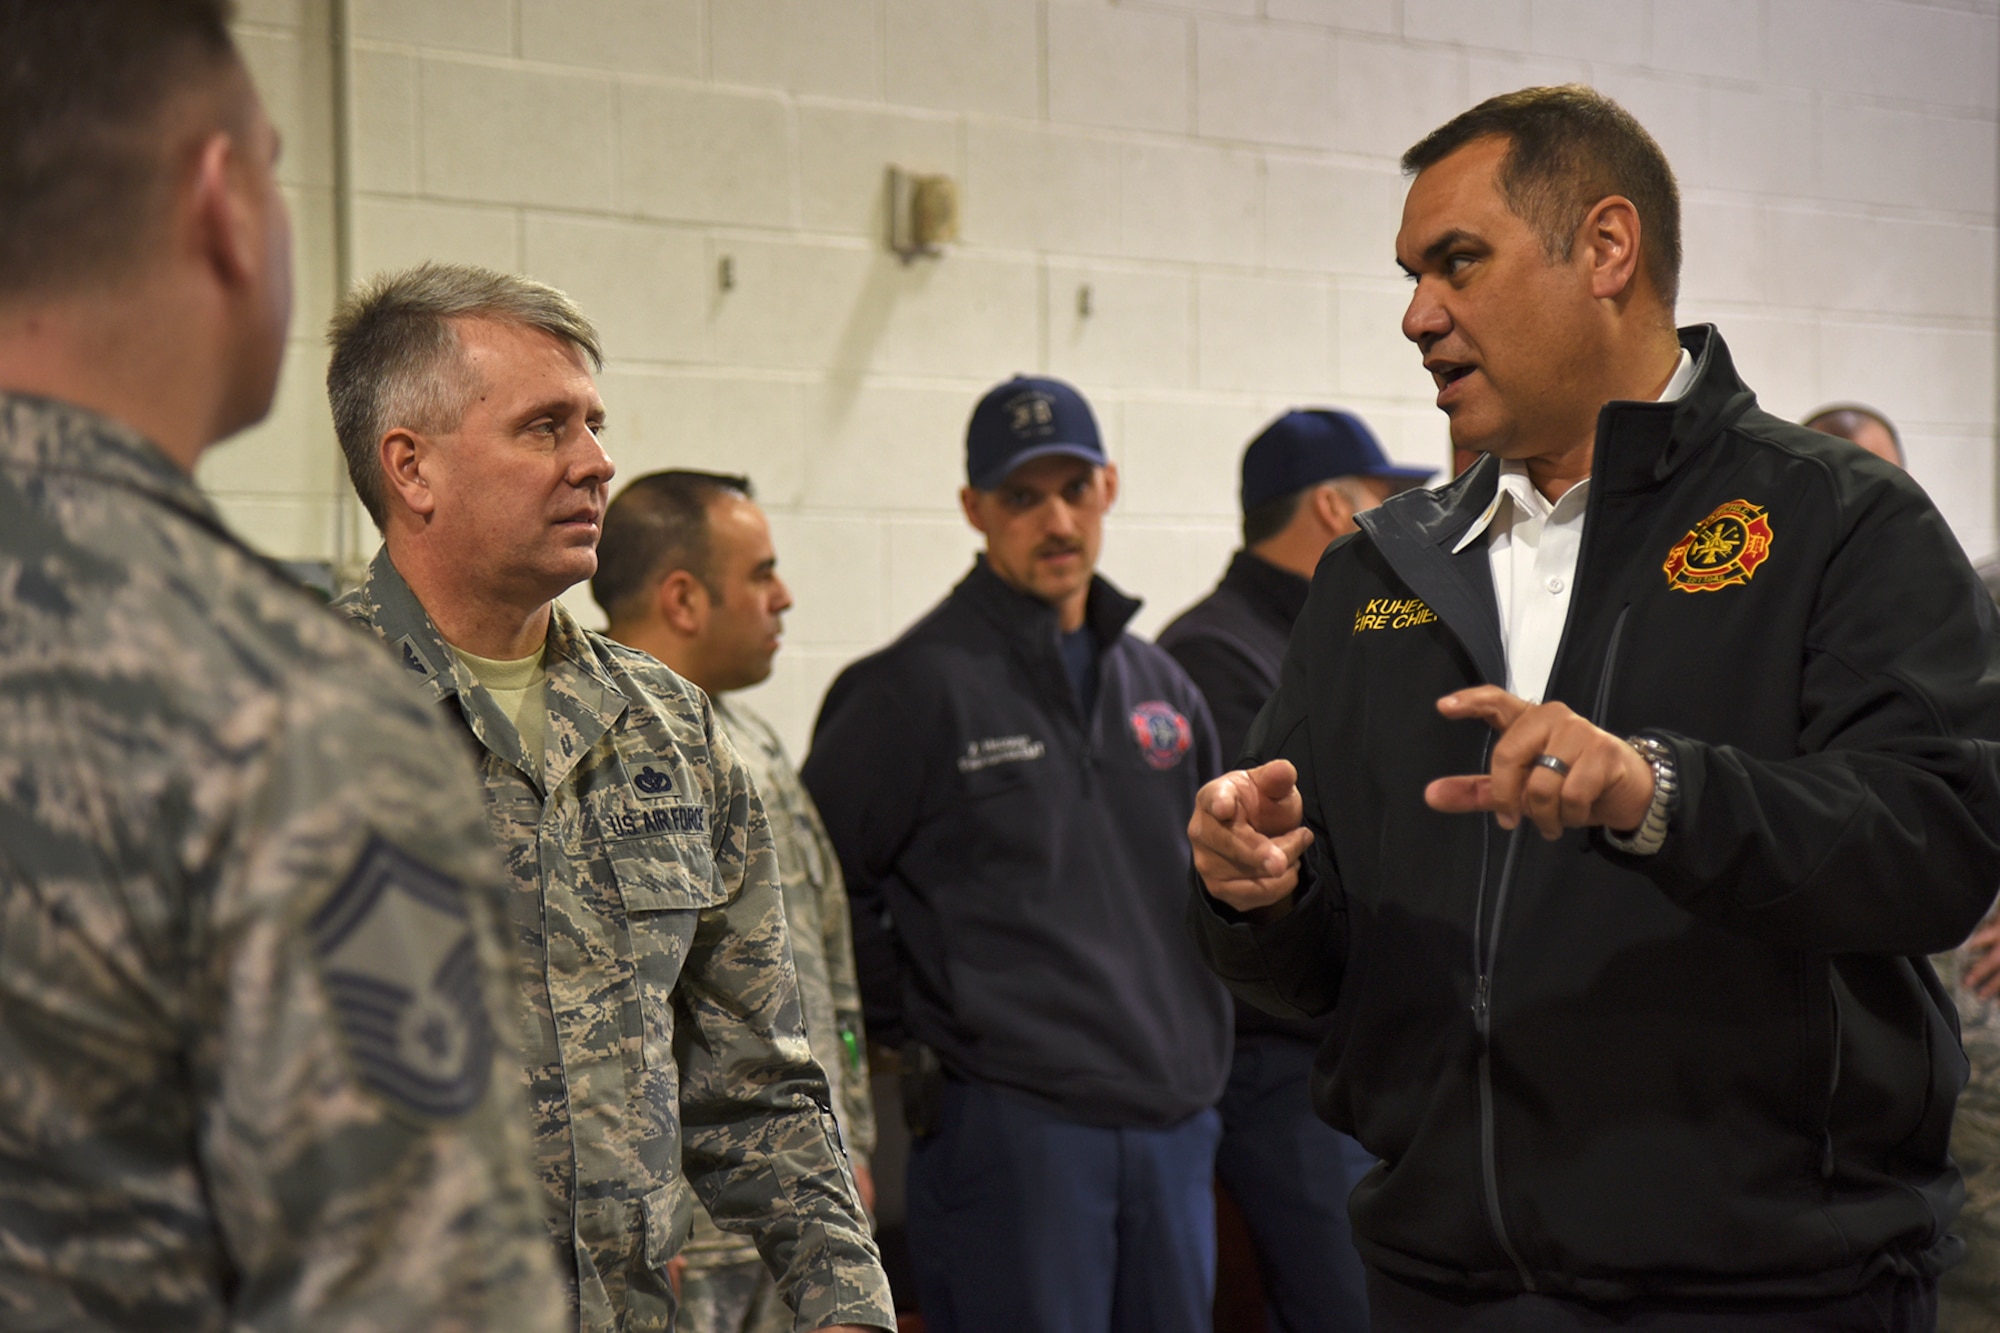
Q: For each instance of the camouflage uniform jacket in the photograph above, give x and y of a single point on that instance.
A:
(822, 949)
(654, 974)
(252, 940)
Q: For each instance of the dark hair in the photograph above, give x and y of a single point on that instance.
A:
(396, 355)
(1846, 420)
(85, 162)
(1569, 148)
(657, 525)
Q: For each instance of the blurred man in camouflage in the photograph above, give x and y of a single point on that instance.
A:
(253, 1067)
(660, 1010)
(687, 572)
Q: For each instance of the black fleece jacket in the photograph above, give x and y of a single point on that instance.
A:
(1722, 1070)
(1017, 869)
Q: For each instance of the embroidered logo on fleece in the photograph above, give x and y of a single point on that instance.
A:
(1162, 733)
(1724, 548)
(1393, 613)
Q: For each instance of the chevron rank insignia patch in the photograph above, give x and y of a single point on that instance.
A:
(396, 950)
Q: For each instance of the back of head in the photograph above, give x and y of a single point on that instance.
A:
(657, 525)
(87, 161)
(1570, 147)
(396, 358)
(1859, 424)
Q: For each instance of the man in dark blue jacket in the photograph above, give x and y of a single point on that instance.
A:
(1006, 785)
(1305, 477)
(1638, 769)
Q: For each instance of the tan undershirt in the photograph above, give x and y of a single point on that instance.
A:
(517, 687)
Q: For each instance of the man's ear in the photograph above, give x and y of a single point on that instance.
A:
(968, 500)
(404, 455)
(222, 219)
(682, 603)
(1110, 484)
(1608, 243)
(1334, 511)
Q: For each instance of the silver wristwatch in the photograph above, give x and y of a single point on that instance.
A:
(1652, 830)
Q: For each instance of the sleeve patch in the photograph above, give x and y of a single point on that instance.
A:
(396, 951)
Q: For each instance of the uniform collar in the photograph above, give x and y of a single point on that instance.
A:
(1106, 612)
(50, 436)
(584, 699)
(1277, 594)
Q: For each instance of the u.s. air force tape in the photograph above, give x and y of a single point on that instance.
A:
(396, 950)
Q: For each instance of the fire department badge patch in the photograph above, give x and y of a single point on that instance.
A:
(1724, 548)
(1163, 734)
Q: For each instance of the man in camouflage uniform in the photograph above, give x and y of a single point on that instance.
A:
(687, 572)
(654, 973)
(252, 1062)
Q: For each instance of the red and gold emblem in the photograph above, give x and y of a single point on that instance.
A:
(1724, 548)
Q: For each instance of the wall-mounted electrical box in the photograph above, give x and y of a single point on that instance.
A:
(923, 214)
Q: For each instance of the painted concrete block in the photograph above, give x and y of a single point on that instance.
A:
(392, 234)
(1915, 374)
(1881, 265)
(1489, 75)
(291, 74)
(631, 36)
(1169, 565)
(385, 121)
(1891, 155)
(1376, 360)
(1726, 252)
(1265, 333)
(963, 316)
(828, 47)
(704, 155)
(1118, 69)
(485, 26)
(1185, 202)
(516, 136)
(645, 286)
(845, 154)
(1183, 455)
(1777, 355)
(1388, 96)
(820, 557)
(1715, 38)
(963, 55)
(743, 424)
(1496, 25)
(1675, 111)
(1138, 330)
(794, 305)
(292, 452)
(1616, 32)
(1346, 15)
(927, 558)
(1957, 471)
(284, 527)
(1036, 189)
(1331, 218)
(896, 447)
(1758, 142)
(1264, 84)
(1883, 49)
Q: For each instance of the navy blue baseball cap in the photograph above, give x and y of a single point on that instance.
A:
(1309, 445)
(1027, 418)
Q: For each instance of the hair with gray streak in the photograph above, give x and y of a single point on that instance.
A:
(397, 359)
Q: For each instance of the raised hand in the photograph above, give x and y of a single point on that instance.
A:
(1595, 778)
(1248, 833)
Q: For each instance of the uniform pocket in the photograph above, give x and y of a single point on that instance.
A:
(669, 1219)
(665, 885)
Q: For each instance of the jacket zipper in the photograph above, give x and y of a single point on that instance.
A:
(1486, 948)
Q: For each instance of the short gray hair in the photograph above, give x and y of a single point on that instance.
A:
(396, 355)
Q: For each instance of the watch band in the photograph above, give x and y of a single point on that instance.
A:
(1652, 831)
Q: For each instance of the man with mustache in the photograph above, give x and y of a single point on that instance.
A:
(659, 1010)
(1612, 794)
(1005, 785)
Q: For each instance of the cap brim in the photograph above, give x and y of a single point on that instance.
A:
(994, 477)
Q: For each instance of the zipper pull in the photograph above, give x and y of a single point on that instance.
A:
(1481, 1003)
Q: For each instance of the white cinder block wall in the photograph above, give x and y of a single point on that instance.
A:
(1219, 174)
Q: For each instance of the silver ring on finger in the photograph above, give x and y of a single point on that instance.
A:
(1556, 766)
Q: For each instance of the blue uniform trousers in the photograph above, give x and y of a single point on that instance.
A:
(1023, 1222)
(1290, 1174)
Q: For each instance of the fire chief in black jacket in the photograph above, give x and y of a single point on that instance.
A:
(1632, 774)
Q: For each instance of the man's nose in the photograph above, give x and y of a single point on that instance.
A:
(781, 596)
(589, 464)
(1425, 319)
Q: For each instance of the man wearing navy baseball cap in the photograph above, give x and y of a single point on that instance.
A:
(1304, 478)
(1007, 785)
